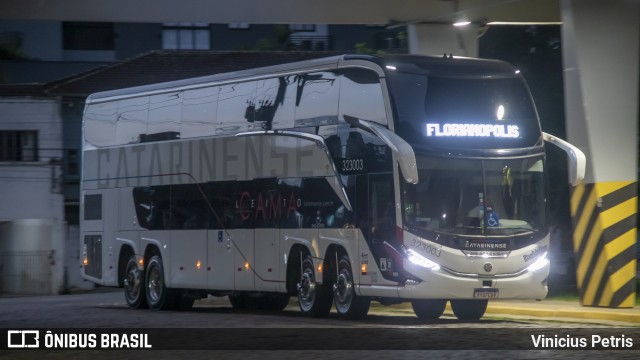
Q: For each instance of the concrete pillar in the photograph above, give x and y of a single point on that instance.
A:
(600, 53)
(440, 39)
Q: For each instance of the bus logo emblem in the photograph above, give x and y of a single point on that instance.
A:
(488, 267)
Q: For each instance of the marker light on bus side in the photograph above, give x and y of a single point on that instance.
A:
(85, 258)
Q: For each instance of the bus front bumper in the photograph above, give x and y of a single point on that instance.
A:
(443, 284)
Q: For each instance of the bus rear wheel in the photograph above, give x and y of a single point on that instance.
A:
(159, 297)
(314, 299)
(348, 304)
(467, 309)
(134, 285)
(428, 309)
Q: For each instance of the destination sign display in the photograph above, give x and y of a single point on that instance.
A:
(473, 130)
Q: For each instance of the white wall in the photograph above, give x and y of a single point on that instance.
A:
(26, 263)
(32, 203)
(28, 189)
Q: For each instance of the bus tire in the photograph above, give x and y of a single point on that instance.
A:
(314, 299)
(348, 304)
(428, 309)
(134, 285)
(159, 297)
(467, 309)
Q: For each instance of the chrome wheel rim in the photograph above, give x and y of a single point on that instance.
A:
(155, 284)
(132, 282)
(307, 290)
(343, 291)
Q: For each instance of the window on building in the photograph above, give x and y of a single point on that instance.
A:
(18, 145)
(88, 36)
(72, 162)
(186, 36)
(303, 27)
(238, 26)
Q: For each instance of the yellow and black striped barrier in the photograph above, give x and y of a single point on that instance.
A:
(604, 242)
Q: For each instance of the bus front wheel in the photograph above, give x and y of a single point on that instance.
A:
(134, 285)
(348, 304)
(428, 309)
(159, 297)
(466, 309)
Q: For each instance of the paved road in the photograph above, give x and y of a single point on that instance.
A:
(215, 325)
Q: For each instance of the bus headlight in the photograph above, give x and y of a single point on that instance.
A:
(540, 263)
(420, 260)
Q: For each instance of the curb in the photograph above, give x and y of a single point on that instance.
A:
(622, 315)
(551, 311)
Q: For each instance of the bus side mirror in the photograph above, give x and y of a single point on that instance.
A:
(402, 150)
(577, 160)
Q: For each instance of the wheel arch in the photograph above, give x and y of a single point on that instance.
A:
(126, 251)
(149, 251)
(331, 258)
(293, 266)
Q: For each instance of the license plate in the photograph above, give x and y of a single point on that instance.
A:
(485, 293)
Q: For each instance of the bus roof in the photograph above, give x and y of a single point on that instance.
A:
(445, 66)
(428, 65)
(327, 62)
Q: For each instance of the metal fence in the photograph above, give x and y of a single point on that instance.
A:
(25, 272)
(310, 42)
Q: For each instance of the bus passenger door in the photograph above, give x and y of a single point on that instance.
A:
(382, 220)
(219, 260)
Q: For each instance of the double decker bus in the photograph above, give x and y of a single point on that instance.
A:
(339, 180)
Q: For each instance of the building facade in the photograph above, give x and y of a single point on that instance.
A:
(32, 231)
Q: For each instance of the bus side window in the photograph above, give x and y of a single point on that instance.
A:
(164, 113)
(275, 103)
(361, 95)
(199, 112)
(236, 108)
(221, 204)
(153, 207)
(317, 99)
(188, 208)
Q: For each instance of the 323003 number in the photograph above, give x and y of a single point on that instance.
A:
(426, 248)
(350, 165)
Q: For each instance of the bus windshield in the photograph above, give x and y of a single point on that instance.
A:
(477, 197)
(464, 113)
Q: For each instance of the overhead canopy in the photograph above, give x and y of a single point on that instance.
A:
(285, 11)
